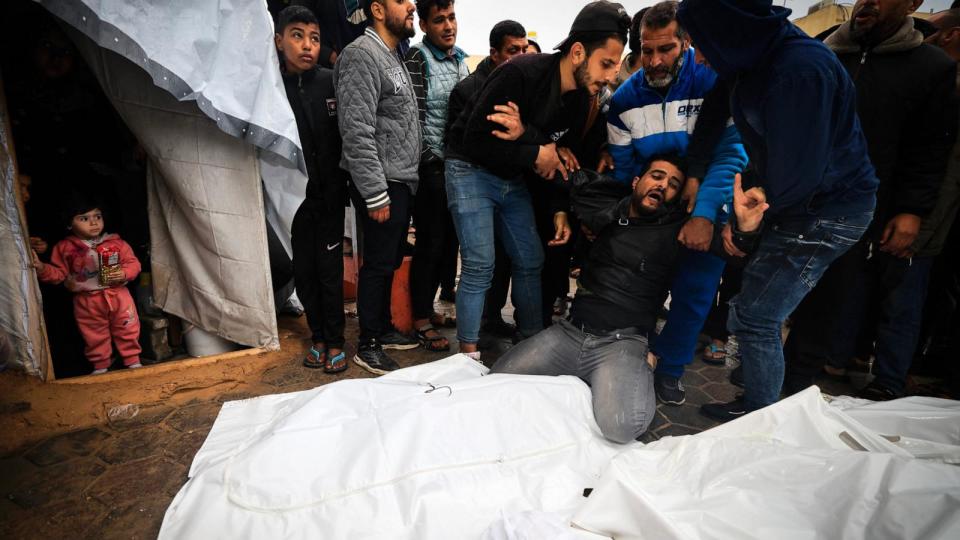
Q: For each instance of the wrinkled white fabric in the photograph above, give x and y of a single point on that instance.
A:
(435, 451)
(781, 472)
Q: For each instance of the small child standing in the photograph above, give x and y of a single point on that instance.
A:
(96, 267)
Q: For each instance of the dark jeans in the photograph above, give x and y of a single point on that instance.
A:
(863, 293)
(434, 225)
(791, 258)
(318, 268)
(614, 365)
(716, 325)
(383, 245)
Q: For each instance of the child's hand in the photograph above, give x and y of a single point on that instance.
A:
(38, 245)
(35, 260)
(71, 284)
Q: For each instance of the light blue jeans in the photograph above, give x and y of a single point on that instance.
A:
(483, 204)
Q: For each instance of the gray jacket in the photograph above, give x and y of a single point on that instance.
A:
(378, 118)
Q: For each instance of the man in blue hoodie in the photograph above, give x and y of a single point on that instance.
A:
(654, 112)
(795, 107)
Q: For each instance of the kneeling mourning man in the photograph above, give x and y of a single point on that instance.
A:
(624, 282)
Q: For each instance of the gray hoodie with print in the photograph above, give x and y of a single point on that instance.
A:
(378, 119)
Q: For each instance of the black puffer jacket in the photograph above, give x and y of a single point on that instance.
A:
(314, 103)
(906, 104)
(632, 260)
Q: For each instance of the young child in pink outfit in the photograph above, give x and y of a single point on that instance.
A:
(96, 267)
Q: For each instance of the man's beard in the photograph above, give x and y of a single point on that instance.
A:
(582, 76)
(671, 75)
(398, 27)
(636, 201)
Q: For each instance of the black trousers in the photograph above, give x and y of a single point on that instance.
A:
(434, 228)
(318, 267)
(383, 247)
(496, 297)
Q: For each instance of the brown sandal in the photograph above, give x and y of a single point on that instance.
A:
(435, 343)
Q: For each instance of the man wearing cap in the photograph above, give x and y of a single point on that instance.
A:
(484, 170)
(795, 107)
(654, 112)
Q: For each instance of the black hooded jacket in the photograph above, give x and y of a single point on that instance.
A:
(632, 261)
(314, 103)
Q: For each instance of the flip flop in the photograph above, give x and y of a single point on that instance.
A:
(314, 360)
(336, 364)
(713, 350)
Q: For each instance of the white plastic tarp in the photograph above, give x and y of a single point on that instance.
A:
(393, 457)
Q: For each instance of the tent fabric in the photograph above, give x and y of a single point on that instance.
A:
(435, 451)
(21, 319)
(441, 451)
(220, 55)
(207, 227)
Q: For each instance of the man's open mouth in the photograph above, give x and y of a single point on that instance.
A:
(656, 196)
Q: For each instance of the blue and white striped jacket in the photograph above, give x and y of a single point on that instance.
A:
(643, 123)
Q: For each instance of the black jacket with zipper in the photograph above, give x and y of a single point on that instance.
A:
(314, 104)
(632, 261)
(907, 108)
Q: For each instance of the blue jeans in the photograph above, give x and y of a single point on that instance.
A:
(692, 294)
(483, 204)
(791, 258)
(614, 365)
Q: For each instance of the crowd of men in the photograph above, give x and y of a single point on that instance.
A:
(810, 175)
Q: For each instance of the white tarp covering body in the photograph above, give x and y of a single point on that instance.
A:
(389, 458)
(21, 318)
(797, 469)
(507, 458)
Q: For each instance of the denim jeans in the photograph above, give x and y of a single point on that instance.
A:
(791, 258)
(614, 365)
(483, 204)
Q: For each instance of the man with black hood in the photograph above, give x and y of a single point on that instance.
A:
(795, 108)
(905, 98)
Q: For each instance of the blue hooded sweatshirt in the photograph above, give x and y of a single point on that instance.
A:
(793, 104)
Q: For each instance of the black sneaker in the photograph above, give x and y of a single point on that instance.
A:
(876, 392)
(736, 376)
(669, 389)
(370, 356)
(397, 341)
(724, 412)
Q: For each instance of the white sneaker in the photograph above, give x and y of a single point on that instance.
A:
(100, 371)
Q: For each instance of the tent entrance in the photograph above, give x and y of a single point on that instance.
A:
(69, 134)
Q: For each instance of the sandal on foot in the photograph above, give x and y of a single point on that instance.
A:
(336, 363)
(714, 355)
(436, 343)
(315, 359)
